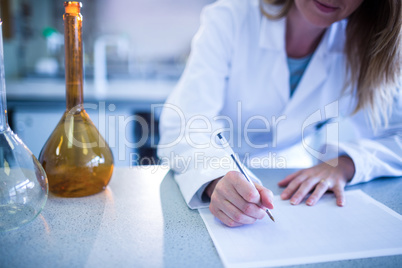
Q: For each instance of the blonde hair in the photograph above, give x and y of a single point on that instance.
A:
(373, 52)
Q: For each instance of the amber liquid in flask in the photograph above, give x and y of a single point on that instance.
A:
(76, 158)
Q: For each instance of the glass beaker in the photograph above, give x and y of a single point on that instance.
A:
(23, 182)
(76, 158)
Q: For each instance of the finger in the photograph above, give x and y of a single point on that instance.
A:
(339, 191)
(303, 190)
(226, 192)
(234, 185)
(226, 220)
(250, 209)
(319, 191)
(267, 197)
(245, 188)
(289, 178)
(292, 187)
(236, 214)
(228, 213)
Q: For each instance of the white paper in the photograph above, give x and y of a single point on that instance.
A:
(301, 234)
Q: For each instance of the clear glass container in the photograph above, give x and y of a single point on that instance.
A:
(76, 158)
(23, 182)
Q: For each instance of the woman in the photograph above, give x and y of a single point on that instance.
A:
(268, 75)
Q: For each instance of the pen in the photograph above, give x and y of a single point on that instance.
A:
(229, 150)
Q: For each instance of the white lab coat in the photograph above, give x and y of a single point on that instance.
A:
(237, 78)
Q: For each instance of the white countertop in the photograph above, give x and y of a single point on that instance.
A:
(37, 89)
(141, 220)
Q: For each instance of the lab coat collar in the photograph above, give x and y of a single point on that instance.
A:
(272, 34)
(316, 73)
(272, 38)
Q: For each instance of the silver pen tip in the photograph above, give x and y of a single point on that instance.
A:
(270, 215)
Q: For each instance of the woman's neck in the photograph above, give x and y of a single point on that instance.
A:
(302, 37)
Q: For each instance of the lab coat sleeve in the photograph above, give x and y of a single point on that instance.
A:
(188, 123)
(380, 155)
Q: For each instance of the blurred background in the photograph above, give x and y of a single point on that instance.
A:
(142, 38)
(134, 54)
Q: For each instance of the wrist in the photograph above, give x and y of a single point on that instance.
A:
(211, 187)
(348, 167)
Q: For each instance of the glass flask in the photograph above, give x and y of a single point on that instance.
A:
(76, 158)
(23, 182)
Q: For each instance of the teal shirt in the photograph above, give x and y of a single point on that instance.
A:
(296, 70)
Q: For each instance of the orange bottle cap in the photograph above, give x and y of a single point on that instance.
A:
(72, 7)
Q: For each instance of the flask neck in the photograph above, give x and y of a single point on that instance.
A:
(3, 103)
(73, 60)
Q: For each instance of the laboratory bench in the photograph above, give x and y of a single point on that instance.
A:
(141, 220)
(35, 105)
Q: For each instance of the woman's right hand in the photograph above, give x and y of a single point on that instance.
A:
(234, 201)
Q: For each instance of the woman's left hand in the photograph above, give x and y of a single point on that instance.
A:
(328, 176)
